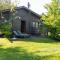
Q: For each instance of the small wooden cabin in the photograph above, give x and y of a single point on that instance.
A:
(27, 21)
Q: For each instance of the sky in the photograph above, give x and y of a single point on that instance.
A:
(35, 5)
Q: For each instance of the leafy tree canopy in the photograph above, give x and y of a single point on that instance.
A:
(6, 4)
(53, 15)
(52, 18)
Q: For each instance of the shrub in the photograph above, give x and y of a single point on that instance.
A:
(5, 29)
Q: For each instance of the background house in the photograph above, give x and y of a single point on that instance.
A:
(22, 19)
(26, 21)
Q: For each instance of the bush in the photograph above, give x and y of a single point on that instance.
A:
(57, 37)
(5, 29)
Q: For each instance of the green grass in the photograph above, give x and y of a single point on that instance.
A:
(29, 49)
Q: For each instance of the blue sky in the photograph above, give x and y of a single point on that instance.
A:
(36, 5)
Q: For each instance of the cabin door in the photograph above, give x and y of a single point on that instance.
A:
(23, 26)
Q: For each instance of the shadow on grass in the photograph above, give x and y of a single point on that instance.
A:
(37, 39)
(18, 53)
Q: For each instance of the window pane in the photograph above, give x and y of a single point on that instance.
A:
(33, 24)
(36, 24)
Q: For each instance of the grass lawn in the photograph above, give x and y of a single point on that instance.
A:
(29, 49)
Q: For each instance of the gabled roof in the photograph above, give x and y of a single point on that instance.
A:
(23, 7)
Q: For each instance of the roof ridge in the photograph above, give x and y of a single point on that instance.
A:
(29, 10)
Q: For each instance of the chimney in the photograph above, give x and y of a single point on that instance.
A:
(28, 5)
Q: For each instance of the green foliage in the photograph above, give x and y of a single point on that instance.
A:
(5, 29)
(4, 4)
(52, 18)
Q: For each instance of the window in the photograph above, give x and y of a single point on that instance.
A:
(36, 24)
(33, 24)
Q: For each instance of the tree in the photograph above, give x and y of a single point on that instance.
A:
(5, 27)
(52, 18)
